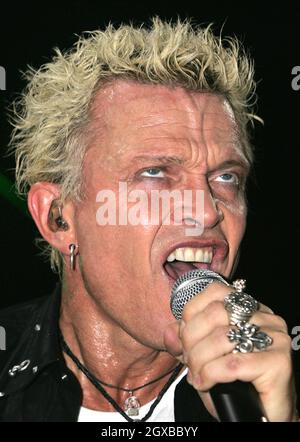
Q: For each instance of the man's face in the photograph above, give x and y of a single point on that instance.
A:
(157, 138)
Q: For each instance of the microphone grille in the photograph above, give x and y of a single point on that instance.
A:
(189, 285)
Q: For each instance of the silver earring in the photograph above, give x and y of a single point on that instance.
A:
(72, 248)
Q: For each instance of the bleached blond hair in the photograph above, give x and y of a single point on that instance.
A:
(52, 115)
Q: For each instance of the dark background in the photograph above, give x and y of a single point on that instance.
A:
(271, 33)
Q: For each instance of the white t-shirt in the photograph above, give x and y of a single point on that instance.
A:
(163, 412)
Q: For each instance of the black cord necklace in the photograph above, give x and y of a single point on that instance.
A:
(132, 404)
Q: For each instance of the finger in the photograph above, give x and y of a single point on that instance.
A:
(264, 308)
(211, 347)
(203, 324)
(261, 368)
(215, 291)
(214, 316)
(269, 320)
(218, 344)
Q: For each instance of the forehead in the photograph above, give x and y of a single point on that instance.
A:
(132, 117)
(154, 99)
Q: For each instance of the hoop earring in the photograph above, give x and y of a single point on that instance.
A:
(72, 248)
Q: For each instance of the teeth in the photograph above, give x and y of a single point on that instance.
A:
(190, 254)
(199, 255)
(179, 254)
(206, 256)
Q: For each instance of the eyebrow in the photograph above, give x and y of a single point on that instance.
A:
(165, 159)
(234, 163)
(161, 158)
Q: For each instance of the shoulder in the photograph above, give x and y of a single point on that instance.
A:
(20, 311)
(15, 319)
(19, 324)
(28, 340)
(17, 316)
(14, 323)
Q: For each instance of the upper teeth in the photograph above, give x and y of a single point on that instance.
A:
(189, 254)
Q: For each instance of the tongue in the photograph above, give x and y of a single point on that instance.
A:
(177, 268)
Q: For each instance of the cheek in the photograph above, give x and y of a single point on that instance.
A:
(234, 223)
(111, 245)
(237, 208)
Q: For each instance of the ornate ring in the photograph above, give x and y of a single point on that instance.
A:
(248, 338)
(239, 305)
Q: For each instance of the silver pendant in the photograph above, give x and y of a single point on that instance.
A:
(132, 405)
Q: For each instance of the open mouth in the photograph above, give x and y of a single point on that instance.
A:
(184, 259)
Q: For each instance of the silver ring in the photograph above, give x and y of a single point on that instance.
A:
(239, 305)
(248, 338)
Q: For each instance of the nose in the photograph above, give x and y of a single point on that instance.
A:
(213, 215)
(204, 211)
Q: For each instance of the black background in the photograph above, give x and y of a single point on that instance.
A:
(271, 32)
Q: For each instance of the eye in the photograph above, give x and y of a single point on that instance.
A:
(153, 172)
(230, 178)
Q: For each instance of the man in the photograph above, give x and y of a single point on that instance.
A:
(164, 109)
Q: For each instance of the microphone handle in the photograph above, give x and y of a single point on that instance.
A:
(237, 402)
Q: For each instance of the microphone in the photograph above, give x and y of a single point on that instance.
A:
(234, 401)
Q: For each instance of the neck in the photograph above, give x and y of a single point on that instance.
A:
(109, 353)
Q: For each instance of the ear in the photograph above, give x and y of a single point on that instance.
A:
(43, 199)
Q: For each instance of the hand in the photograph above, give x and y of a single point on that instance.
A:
(200, 341)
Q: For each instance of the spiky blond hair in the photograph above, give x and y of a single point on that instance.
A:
(51, 116)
